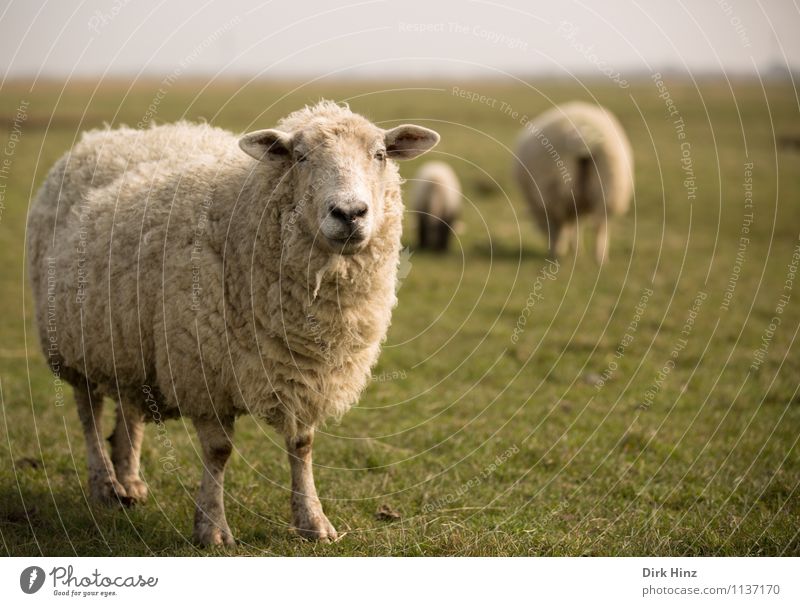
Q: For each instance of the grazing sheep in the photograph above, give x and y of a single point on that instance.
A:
(181, 276)
(436, 196)
(574, 160)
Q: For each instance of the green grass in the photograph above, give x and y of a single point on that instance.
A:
(709, 468)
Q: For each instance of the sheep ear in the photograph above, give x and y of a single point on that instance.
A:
(267, 145)
(408, 141)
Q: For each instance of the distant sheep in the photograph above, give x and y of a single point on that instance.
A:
(181, 276)
(575, 161)
(436, 197)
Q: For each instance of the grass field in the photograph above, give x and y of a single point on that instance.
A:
(487, 435)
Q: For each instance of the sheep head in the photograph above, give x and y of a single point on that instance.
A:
(340, 167)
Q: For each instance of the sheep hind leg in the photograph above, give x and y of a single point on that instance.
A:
(103, 484)
(126, 449)
(559, 240)
(216, 440)
(422, 231)
(442, 235)
(601, 241)
(307, 516)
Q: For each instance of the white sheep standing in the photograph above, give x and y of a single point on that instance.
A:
(180, 276)
(575, 160)
(436, 197)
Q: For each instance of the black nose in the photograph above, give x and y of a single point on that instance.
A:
(349, 212)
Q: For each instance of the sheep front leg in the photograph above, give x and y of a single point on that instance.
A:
(103, 484)
(559, 235)
(571, 237)
(126, 449)
(216, 440)
(422, 230)
(307, 516)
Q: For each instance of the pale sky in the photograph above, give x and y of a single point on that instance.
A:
(394, 38)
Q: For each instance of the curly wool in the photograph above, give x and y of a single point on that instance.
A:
(168, 262)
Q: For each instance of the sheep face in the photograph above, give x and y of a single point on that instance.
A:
(340, 171)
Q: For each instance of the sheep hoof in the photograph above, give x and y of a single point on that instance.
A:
(136, 490)
(108, 491)
(207, 534)
(316, 528)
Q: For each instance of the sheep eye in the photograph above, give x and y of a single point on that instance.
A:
(301, 158)
(380, 155)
